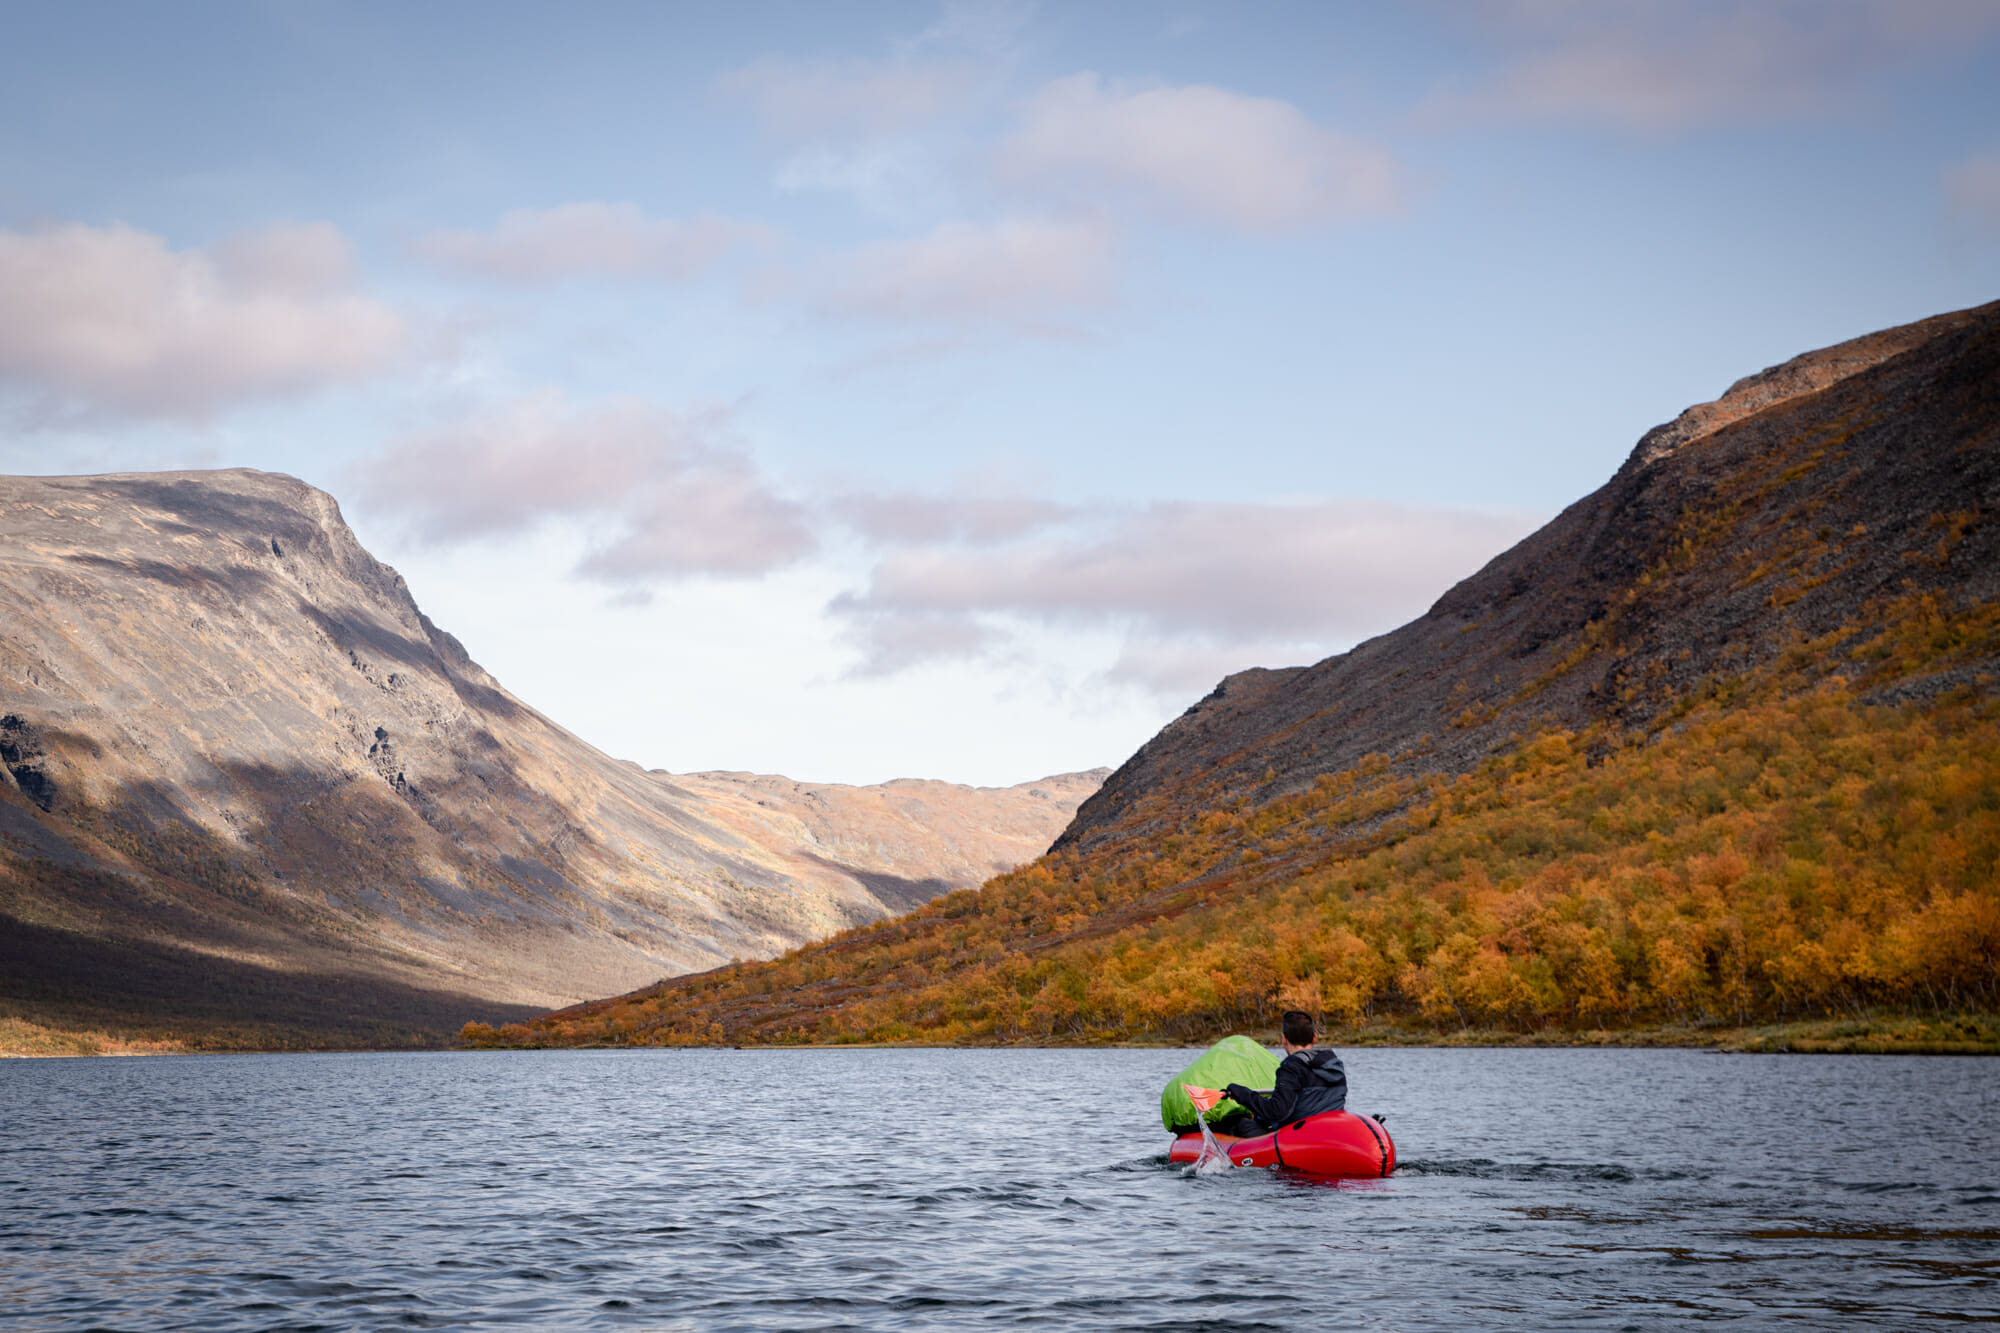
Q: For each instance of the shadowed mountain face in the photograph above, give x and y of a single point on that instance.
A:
(235, 756)
(1777, 513)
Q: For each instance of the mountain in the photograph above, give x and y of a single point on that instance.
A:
(1773, 514)
(251, 792)
(1717, 744)
(901, 843)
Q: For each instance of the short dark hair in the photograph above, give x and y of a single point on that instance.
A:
(1299, 1027)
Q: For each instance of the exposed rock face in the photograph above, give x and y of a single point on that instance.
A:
(230, 740)
(1783, 510)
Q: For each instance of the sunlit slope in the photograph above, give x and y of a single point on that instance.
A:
(1717, 746)
(251, 795)
(1782, 851)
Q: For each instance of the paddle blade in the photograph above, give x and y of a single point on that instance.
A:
(1204, 1099)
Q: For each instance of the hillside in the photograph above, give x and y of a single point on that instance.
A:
(1716, 745)
(1776, 512)
(251, 793)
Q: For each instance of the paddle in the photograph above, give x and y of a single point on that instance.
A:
(1205, 1100)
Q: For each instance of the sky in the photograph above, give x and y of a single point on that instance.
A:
(858, 391)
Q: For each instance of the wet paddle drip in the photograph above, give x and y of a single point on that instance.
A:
(1212, 1160)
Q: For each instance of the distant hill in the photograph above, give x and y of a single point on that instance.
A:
(250, 793)
(1718, 744)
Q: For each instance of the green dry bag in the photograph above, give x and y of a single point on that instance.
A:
(1231, 1060)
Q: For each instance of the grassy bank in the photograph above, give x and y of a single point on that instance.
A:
(1874, 1034)
(1887, 1034)
(52, 1032)
(21, 1039)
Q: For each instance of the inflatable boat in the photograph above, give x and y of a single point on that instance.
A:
(1337, 1144)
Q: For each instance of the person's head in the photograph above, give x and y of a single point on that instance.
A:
(1298, 1030)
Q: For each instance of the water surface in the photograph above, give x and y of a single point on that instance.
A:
(880, 1189)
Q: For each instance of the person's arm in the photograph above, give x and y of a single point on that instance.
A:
(1253, 1102)
(1275, 1107)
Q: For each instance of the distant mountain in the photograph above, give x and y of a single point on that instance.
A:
(1719, 744)
(251, 793)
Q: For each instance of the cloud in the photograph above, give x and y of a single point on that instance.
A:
(588, 240)
(1972, 190)
(1704, 63)
(1250, 163)
(933, 73)
(1017, 270)
(1180, 668)
(1191, 590)
(834, 99)
(891, 643)
(1192, 584)
(667, 498)
(905, 518)
(111, 319)
(902, 181)
(889, 132)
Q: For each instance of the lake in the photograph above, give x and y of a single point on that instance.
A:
(913, 1189)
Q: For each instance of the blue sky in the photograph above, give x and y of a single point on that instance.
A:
(858, 391)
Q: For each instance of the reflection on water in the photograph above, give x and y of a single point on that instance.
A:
(985, 1189)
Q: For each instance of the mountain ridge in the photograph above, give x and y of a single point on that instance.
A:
(229, 732)
(1589, 553)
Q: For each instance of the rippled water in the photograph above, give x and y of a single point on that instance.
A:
(974, 1189)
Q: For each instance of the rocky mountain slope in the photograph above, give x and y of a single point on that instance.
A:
(1773, 514)
(247, 784)
(1718, 746)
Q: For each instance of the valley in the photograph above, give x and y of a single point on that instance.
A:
(1715, 749)
(253, 796)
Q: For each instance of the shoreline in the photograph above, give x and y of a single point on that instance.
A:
(1875, 1034)
(1952, 1034)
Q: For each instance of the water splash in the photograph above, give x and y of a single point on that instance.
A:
(1213, 1161)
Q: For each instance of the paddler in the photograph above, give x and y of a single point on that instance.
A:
(1309, 1080)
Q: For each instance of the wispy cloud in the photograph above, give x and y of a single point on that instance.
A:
(1190, 589)
(669, 495)
(588, 239)
(915, 129)
(1702, 63)
(1018, 271)
(1251, 163)
(902, 517)
(1191, 584)
(902, 181)
(941, 69)
(894, 132)
(112, 319)
(841, 99)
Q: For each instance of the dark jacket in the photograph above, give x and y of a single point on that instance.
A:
(1309, 1082)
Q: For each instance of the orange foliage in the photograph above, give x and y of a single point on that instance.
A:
(1781, 848)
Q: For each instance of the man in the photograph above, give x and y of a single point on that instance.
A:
(1309, 1081)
